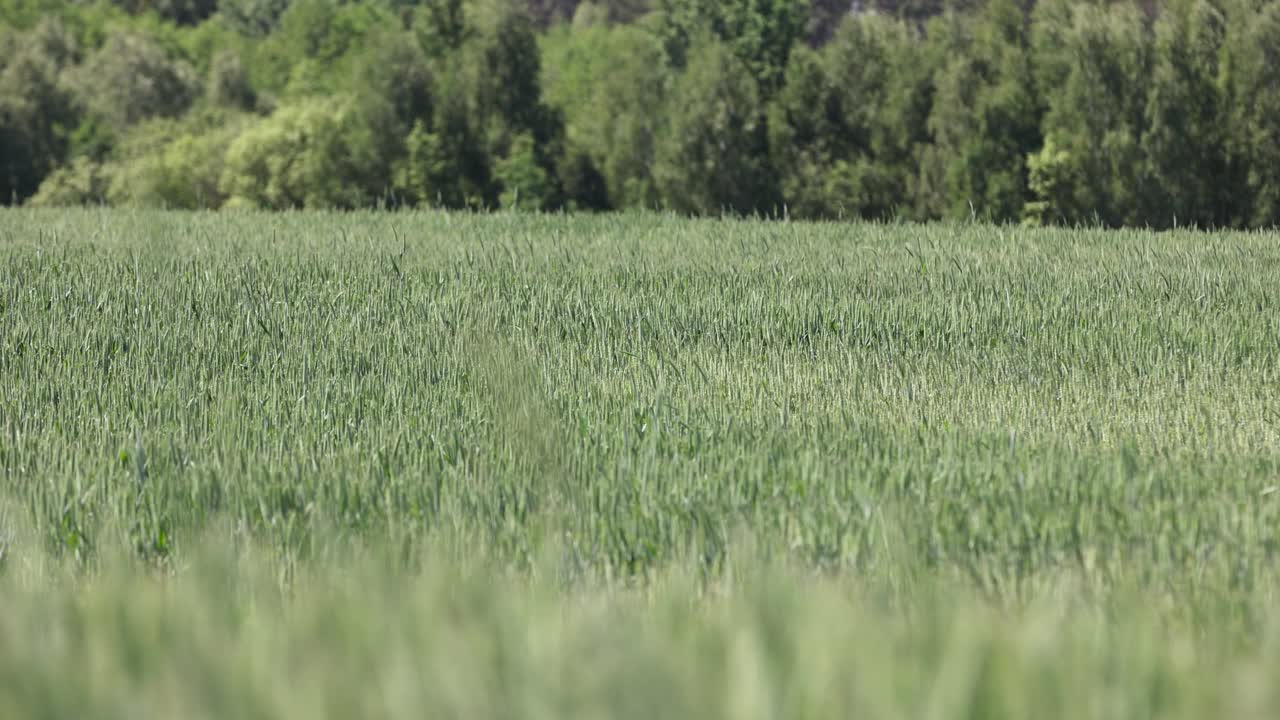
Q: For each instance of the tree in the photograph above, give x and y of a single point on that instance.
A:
(485, 129)
(546, 13)
(315, 46)
(919, 12)
(498, 74)
(37, 112)
(182, 12)
(582, 184)
(309, 154)
(810, 138)
(1184, 139)
(761, 33)
(441, 26)
(1253, 86)
(607, 81)
(174, 164)
(825, 17)
(508, 65)
(253, 18)
(985, 118)
(714, 155)
(625, 11)
(228, 84)
(525, 183)
(132, 78)
(82, 182)
(1097, 61)
(845, 128)
(430, 171)
(395, 70)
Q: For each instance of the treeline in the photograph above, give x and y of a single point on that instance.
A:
(1114, 113)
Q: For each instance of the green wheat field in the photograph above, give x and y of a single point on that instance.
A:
(434, 465)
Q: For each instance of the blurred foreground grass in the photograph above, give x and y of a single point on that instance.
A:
(220, 640)
(310, 465)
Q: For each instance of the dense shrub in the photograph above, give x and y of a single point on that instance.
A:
(170, 164)
(305, 155)
(83, 182)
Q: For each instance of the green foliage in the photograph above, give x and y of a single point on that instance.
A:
(203, 44)
(254, 18)
(590, 14)
(311, 153)
(844, 128)
(985, 117)
(503, 71)
(183, 12)
(429, 173)
(88, 23)
(228, 84)
(921, 11)
(1186, 123)
(612, 12)
(168, 164)
(132, 78)
(1051, 111)
(713, 155)
(441, 26)
(82, 182)
(491, 96)
(825, 18)
(323, 31)
(1253, 54)
(607, 81)
(313, 50)
(813, 141)
(1051, 178)
(761, 33)
(582, 185)
(37, 113)
(394, 70)
(1099, 59)
(525, 184)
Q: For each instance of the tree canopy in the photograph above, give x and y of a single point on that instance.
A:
(1059, 111)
